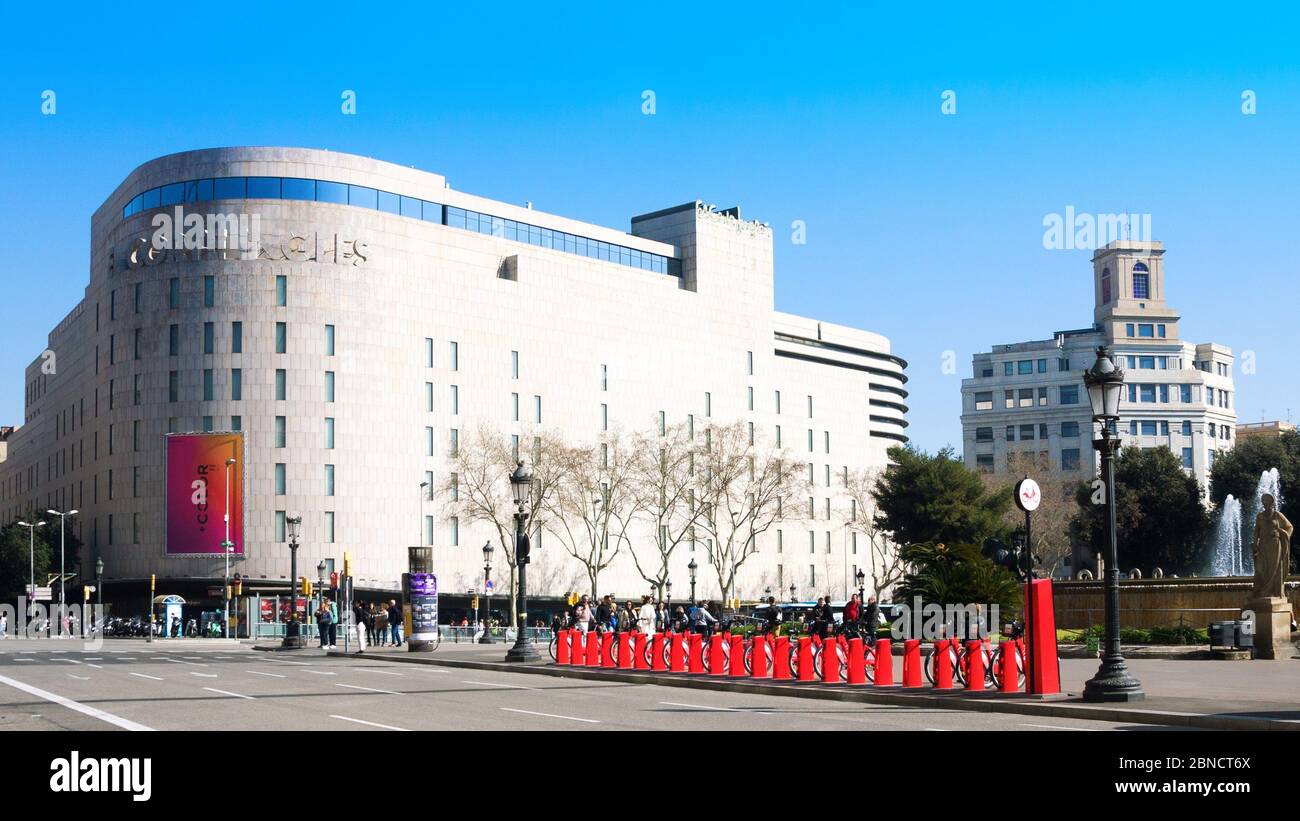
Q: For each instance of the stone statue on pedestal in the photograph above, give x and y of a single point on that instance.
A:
(1268, 601)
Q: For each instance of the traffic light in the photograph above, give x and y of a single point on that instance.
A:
(153, 582)
(474, 603)
(239, 584)
(347, 563)
(85, 592)
(306, 586)
(334, 580)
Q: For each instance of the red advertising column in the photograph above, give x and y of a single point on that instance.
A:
(1042, 665)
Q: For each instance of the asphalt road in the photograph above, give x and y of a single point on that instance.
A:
(130, 685)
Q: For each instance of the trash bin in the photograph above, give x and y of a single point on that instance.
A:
(1223, 633)
(1245, 636)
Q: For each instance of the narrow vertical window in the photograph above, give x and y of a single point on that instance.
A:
(236, 384)
(281, 337)
(329, 340)
(455, 356)
(236, 337)
(281, 291)
(514, 364)
(329, 433)
(281, 384)
(329, 386)
(209, 291)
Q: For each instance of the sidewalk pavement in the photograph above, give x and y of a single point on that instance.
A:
(1204, 694)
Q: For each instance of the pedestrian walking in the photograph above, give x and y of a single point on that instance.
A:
(4, 625)
(381, 627)
(646, 622)
(582, 614)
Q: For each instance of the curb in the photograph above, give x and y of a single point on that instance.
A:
(988, 702)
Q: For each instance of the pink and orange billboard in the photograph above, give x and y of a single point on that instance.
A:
(197, 494)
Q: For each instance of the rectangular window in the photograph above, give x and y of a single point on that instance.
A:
(1185, 393)
(136, 341)
(329, 527)
(1160, 331)
(810, 409)
(281, 291)
(281, 384)
(428, 352)
(1008, 368)
(455, 441)
(236, 384)
(1026, 397)
(1146, 330)
(428, 396)
(455, 531)
(810, 440)
(984, 462)
(174, 293)
(750, 394)
(1164, 428)
(1011, 433)
(1069, 459)
(236, 337)
(663, 423)
(329, 386)
(1187, 458)
(173, 340)
(1187, 428)
(514, 364)
(280, 435)
(604, 377)
(537, 410)
(1128, 328)
(1026, 433)
(209, 337)
(280, 479)
(329, 433)
(136, 391)
(1164, 393)
(604, 419)
(778, 436)
(1042, 366)
(1009, 399)
(1141, 286)
(1042, 397)
(455, 356)
(207, 384)
(281, 337)
(209, 291)
(984, 434)
(1069, 430)
(984, 400)
(329, 340)
(428, 441)
(279, 526)
(514, 407)
(1147, 392)
(708, 404)
(236, 423)
(139, 297)
(455, 400)
(778, 401)
(1025, 366)
(329, 480)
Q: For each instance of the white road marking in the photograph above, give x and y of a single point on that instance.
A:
(228, 693)
(371, 689)
(502, 686)
(272, 675)
(96, 666)
(93, 712)
(79, 678)
(371, 724)
(24, 659)
(550, 715)
(720, 709)
(190, 663)
(380, 672)
(142, 675)
(286, 661)
(94, 658)
(70, 661)
(319, 672)
(1059, 727)
(204, 675)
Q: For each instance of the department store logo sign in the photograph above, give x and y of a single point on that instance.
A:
(182, 236)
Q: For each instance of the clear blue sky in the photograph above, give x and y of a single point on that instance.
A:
(924, 227)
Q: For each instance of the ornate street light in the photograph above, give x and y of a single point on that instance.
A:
(692, 567)
(862, 585)
(1105, 385)
(486, 638)
(296, 641)
(521, 482)
(793, 590)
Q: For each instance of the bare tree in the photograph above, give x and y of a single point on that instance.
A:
(477, 488)
(1051, 523)
(744, 488)
(883, 564)
(665, 491)
(594, 504)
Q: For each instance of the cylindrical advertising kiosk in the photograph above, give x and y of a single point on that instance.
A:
(420, 605)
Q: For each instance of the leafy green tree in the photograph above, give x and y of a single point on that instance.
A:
(924, 499)
(1161, 521)
(1237, 471)
(958, 575)
(15, 561)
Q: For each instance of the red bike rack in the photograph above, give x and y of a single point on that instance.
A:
(857, 662)
(806, 659)
(942, 665)
(562, 647)
(781, 658)
(677, 653)
(657, 652)
(625, 651)
(975, 656)
(1010, 675)
(717, 661)
(638, 651)
(695, 647)
(737, 657)
(830, 662)
(912, 663)
(593, 649)
(578, 654)
(606, 649)
(760, 657)
(884, 664)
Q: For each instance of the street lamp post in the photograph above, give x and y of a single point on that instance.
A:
(521, 482)
(862, 585)
(692, 567)
(424, 494)
(793, 590)
(1105, 384)
(294, 523)
(226, 547)
(486, 638)
(99, 587)
(31, 558)
(668, 586)
(63, 605)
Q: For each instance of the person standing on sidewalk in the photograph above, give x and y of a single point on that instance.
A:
(323, 624)
(381, 627)
(582, 614)
(395, 622)
(647, 617)
(361, 616)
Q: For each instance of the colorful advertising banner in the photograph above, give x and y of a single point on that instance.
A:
(196, 493)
